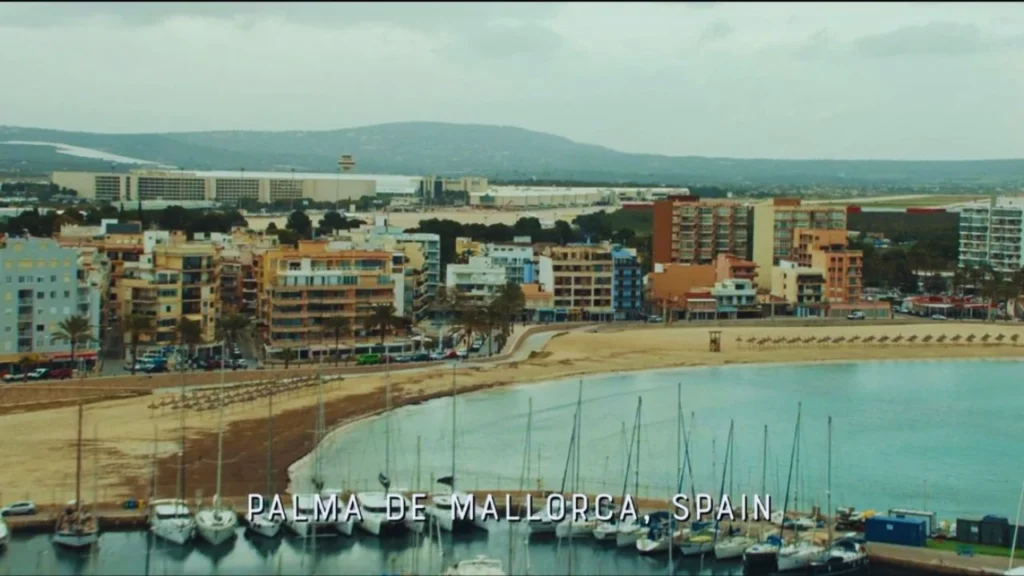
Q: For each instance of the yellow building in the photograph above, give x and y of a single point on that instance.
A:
(774, 223)
(465, 248)
(803, 288)
(171, 281)
(580, 276)
(299, 288)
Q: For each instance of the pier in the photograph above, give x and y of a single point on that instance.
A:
(113, 517)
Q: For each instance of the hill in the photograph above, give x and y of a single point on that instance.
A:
(498, 152)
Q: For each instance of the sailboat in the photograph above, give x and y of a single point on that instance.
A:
(301, 518)
(170, 518)
(76, 526)
(574, 527)
(664, 536)
(763, 557)
(215, 524)
(798, 556)
(374, 505)
(263, 523)
(608, 531)
(703, 541)
(844, 556)
(440, 510)
(734, 546)
(546, 525)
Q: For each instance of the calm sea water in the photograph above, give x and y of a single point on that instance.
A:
(935, 435)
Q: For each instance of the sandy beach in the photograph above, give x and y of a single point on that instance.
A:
(39, 456)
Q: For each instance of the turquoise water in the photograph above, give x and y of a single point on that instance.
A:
(938, 435)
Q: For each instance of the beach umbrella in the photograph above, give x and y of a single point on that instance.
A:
(1014, 339)
(912, 338)
(1000, 338)
(927, 338)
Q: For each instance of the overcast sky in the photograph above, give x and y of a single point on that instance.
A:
(892, 81)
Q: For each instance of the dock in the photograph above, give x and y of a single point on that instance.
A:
(113, 517)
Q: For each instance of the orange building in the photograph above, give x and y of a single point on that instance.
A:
(688, 230)
(669, 285)
(826, 250)
(729, 267)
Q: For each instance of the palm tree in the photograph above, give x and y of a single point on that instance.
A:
(190, 335)
(287, 355)
(470, 319)
(336, 325)
(383, 319)
(510, 302)
(136, 326)
(26, 362)
(74, 331)
(230, 326)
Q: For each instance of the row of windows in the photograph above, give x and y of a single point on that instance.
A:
(172, 188)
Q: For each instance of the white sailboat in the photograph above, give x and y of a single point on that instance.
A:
(608, 531)
(216, 524)
(263, 523)
(76, 526)
(440, 510)
(302, 517)
(734, 546)
(803, 553)
(373, 505)
(551, 516)
(843, 556)
(703, 541)
(171, 518)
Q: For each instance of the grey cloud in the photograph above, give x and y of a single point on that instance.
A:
(936, 38)
(413, 15)
(504, 41)
(717, 30)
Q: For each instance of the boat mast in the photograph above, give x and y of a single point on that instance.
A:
(524, 478)
(828, 492)
(639, 430)
(1016, 530)
(387, 415)
(789, 478)
(454, 396)
(629, 452)
(270, 442)
(220, 426)
(764, 463)
(577, 426)
(78, 468)
(728, 450)
(679, 468)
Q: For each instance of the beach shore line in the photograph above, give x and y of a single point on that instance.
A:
(40, 465)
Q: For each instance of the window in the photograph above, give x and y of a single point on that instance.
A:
(53, 294)
(40, 295)
(67, 294)
(53, 278)
(40, 327)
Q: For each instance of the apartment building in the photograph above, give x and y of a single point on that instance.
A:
(172, 280)
(628, 287)
(301, 287)
(735, 298)
(728, 266)
(43, 284)
(478, 281)
(826, 250)
(688, 230)
(581, 276)
(774, 223)
(517, 260)
(803, 288)
(992, 233)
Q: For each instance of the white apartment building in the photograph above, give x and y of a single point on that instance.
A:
(479, 280)
(516, 260)
(992, 233)
(733, 297)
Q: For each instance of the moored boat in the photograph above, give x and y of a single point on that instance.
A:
(733, 547)
(479, 566)
(171, 520)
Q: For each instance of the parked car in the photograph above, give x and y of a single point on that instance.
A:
(61, 373)
(155, 368)
(654, 319)
(13, 377)
(420, 357)
(39, 374)
(437, 356)
(23, 508)
(856, 316)
(239, 363)
(938, 317)
(476, 345)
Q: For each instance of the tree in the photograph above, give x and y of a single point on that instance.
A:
(300, 224)
(508, 305)
(470, 319)
(383, 319)
(174, 218)
(287, 354)
(137, 325)
(336, 325)
(190, 335)
(230, 326)
(934, 284)
(74, 331)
